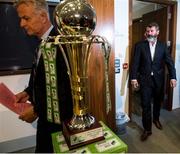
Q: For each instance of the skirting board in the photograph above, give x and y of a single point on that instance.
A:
(18, 144)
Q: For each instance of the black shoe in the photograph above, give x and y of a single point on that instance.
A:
(157, 124)
(145, 135)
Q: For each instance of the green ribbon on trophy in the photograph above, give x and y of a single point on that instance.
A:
(49, 52)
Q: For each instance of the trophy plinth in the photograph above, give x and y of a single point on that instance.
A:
(77, 138)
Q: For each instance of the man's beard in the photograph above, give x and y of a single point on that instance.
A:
(152, 38)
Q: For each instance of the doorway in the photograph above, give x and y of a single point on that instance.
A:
(165, 14)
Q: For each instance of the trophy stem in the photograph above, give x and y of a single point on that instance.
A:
(81, 122)
(80, 92)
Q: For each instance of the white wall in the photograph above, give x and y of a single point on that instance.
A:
(13, 130)
(121, 53)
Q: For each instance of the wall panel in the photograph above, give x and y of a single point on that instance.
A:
(105, 27)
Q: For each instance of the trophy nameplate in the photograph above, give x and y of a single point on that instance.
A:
(76, 138)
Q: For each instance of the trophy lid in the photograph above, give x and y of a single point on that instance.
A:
(75, 17)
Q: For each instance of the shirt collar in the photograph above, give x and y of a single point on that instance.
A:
(153, 44)
(46, 34)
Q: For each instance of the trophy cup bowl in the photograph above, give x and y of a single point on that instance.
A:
(75, 21)
(75, 17)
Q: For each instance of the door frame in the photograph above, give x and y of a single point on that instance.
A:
(173, 4)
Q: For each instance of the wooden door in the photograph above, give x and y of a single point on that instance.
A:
(137, 35)
(161, 17)
(137, 31)
(105, 27)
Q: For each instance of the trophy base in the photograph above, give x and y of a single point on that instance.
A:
(77, 138)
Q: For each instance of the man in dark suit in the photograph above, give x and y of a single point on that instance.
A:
(34, 18)
(147, 72)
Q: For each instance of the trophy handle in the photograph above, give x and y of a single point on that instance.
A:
(106, 50)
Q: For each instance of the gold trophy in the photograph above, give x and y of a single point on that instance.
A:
(76, 20)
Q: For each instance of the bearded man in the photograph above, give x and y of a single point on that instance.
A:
(147, 73)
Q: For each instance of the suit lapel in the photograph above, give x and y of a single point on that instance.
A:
(147, 49)
(156, 50)
(53, 32)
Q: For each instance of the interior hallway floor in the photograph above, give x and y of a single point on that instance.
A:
(161, 141)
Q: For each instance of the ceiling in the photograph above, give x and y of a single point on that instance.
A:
(138, 5)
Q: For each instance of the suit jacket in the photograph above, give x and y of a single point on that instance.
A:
(143, 65)
(37, 88)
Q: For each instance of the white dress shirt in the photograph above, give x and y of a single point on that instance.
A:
(44, 36)
(152, 47)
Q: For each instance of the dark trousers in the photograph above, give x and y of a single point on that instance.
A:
(43, 136)
(150, 93)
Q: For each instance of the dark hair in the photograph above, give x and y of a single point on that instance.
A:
(153, 24)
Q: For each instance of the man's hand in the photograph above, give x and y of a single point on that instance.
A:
(173, 83)
(28, 115)
(135, 84)
(22, 97)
